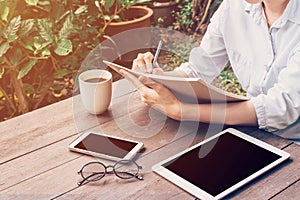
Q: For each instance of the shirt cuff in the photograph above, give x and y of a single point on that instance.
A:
(260, 112)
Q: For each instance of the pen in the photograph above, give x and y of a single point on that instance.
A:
(157, 53)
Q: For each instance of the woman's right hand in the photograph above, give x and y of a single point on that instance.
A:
(143, 63)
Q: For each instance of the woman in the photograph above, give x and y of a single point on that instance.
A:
(261, 39)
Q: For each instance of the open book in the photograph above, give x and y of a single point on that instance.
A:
(190, 90)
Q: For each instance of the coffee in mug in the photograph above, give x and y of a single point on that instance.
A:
(95, 90)
(95, 80)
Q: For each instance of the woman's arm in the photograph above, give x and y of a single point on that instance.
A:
(242, 113)
(163, 100)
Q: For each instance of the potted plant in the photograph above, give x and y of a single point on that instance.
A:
(116, 16)
(120, 15)
(41, 44)
(164, 12)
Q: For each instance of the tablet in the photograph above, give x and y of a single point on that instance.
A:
(106, 146)
(221, 164)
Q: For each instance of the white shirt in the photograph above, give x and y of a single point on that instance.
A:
(265, 61)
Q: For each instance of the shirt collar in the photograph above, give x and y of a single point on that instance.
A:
(255, 11)
(252, 8)
(291, 13)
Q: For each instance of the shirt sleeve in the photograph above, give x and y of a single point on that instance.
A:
(280, 107)
(208, 60)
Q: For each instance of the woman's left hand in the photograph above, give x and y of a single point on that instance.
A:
(156, 95)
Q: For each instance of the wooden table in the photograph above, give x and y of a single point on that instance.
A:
(35, 162)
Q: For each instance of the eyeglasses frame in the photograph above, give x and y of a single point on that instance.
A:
(86, 179)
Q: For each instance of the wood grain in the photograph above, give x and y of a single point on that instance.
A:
(35, 162)
(291, 192)
(34, 130)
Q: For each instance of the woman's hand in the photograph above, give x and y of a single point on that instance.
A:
(143, 63)
(156, 95)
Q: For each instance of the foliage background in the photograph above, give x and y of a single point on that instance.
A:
(43, 42)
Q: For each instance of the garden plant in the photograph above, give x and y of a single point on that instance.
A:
(43, 42)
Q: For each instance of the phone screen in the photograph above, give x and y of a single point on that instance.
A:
(106, 145)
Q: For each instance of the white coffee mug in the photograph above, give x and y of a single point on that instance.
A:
(95, 90)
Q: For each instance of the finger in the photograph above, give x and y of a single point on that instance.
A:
(144, 79)
(131, 78)
(150, 83)
(145, 101)
(140, 62)
(148, 58)
(158, 71)
(143, 89)
(135, 65)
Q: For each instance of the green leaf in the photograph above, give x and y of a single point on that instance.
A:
(32, 2)
(108, 4)
(63, 47)
(17, 56)
(56, 87)
(26, 69)
(61, 73)
(46, 52)
(45, 29)
(13, 27)
(27, 43)
(29, 47)
(1, 72)
(106, 17)
(29, 89)
(26, 26)
(5, 13)
(66, 29)
(37, 43)
(117, 18)
(3, 48)
(12, 38)
(142, 1)
(39, 46)
(81, 9)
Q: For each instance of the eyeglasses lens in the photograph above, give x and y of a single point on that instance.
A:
(126, 169)
(93, 171)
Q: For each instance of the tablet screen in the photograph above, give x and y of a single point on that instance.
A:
(106, 145)
(231, 160)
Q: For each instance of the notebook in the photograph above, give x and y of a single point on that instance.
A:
(190, 90)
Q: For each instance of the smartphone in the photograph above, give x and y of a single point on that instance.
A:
(105, 146)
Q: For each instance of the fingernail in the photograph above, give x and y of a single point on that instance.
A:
(143, 79)
(149, 68)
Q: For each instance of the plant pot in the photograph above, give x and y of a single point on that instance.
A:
(163, 12)
(137, 17)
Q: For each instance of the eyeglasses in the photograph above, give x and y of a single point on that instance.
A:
(124, 169)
